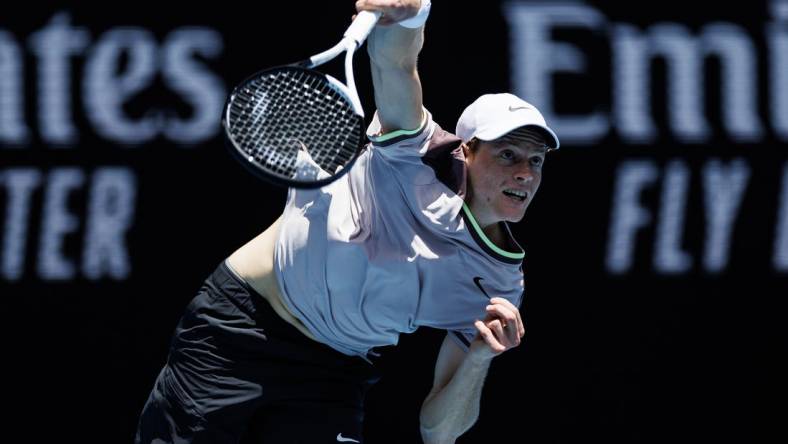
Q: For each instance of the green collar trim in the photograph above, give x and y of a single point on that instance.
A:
(486, 240)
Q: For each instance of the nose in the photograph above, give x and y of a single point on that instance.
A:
(524, 174)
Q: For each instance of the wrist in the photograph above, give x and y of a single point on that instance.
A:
(418, 20)
(480, 356)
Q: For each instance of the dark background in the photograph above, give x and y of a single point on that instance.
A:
(632, 357)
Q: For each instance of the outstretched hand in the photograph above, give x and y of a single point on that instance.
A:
(393, 10)
(501, 330)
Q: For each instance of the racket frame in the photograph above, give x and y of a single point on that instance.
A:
(353, 38)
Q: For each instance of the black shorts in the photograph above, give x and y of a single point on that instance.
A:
(237, 372)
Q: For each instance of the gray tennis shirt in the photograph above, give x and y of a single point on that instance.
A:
(391, 246)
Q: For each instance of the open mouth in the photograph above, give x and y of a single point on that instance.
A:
(516, 195)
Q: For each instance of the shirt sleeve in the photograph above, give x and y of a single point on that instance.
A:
(409, 141)
(463, 338)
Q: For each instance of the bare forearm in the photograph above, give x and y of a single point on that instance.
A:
(397, 86)
(448, 413)
(395, 46)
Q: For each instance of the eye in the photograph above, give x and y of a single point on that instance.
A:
(537, 161)
(507, 155)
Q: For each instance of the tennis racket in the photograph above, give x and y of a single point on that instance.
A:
(297, 127)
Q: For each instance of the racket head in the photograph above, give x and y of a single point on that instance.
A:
(293, 126)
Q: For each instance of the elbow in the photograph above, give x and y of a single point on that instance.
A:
(435, 431)
(442, 431)
(431, 436)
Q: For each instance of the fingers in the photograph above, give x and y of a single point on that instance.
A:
(367, 5)
(371, 5)
(511, 312)
(496, 326)
(393, 11)
(383, 20)
(489, 337)
(510, 322)
(503, 327)
(504, 333)
(381, 4)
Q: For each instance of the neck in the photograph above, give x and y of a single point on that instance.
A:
(491, 227)
(495, 234)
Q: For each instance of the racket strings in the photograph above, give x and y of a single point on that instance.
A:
(284, 111)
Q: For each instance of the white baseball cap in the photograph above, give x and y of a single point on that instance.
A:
(493, 115)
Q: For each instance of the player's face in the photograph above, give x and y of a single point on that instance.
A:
(502, 179)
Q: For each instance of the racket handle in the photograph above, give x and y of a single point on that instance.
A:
(362, 26)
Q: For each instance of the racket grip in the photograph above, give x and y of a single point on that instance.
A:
(362, 26)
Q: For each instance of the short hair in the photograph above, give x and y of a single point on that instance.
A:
(516, 137)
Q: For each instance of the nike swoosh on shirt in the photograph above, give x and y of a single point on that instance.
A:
(477, 280)
(340, 438)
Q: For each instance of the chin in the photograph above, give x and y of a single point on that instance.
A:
(513, 217)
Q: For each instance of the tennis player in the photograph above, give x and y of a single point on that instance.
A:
(279, 343)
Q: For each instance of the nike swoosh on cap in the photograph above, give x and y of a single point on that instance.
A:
(515, 108)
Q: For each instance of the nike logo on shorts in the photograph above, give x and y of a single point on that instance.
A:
(341, 438)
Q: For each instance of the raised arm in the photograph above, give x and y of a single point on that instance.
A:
(393, 50)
